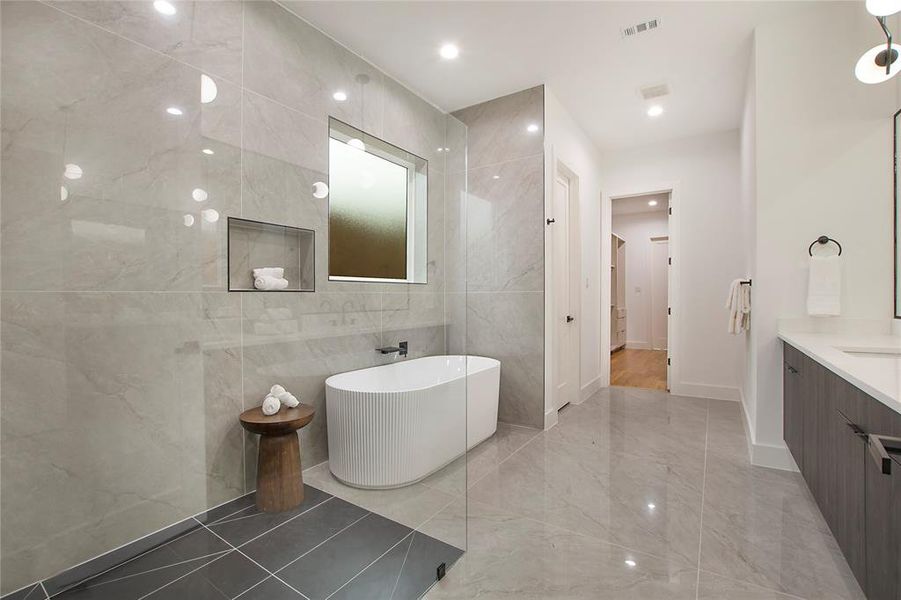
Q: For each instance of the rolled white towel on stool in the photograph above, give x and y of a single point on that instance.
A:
(288, 399)
(270, 283)
(271, 405)
(276, 390)
(277, 272)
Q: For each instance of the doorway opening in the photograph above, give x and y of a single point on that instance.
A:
(640, 290)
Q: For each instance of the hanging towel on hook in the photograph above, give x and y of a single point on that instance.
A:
(739, 304)
(824, 287)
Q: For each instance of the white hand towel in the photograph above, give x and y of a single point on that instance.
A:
(733, 304)
(277, 272)
(276, 390)
(271, 405)
(288, 399)
(824, 288)
(270, 283)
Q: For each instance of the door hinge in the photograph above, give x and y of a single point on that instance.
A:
(669, 362)
(549, 221)
(669, 260)
(669, 311)
(670, 210)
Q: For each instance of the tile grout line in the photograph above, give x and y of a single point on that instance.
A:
(703, 489)
(326, 540)
(378, 558)
(271, 574)
(268, 531)
(401, 571)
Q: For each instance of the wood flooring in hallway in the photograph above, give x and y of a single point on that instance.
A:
(638, 368)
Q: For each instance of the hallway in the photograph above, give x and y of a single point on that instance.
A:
(638, 369)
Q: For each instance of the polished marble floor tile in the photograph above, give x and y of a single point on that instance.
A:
(225, 577)
(31, 592)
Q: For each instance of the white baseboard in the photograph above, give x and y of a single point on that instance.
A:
(550, 418)
(590, 388)
(765, 455)
(704, 390)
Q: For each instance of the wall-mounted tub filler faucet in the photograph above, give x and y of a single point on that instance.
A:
(401, 349)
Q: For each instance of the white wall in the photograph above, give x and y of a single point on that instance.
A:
(707, 225)
(823, 166)
(565, 141)
(638, 229)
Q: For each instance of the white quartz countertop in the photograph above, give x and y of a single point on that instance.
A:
(875, 370)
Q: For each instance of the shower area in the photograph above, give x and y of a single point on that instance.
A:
(153, 155)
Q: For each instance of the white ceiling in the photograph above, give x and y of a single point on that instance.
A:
(701, 50)
(639, 204)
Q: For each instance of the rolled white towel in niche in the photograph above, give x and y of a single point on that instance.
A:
(267, 283)
(277, 272)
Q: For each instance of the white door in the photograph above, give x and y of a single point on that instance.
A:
(659, 293)
(566, 356)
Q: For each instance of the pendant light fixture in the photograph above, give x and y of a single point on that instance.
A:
(880, 63)
(883, 8)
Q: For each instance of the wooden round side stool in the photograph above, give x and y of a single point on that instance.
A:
(279, 478)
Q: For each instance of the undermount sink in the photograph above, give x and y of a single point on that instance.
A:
(873, 352)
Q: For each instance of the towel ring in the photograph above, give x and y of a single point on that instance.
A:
(824, 240)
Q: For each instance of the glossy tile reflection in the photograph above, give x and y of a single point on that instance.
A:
(641, 494)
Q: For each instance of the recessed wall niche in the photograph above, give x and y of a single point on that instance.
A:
(254, 244)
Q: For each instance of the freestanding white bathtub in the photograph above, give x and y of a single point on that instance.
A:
(393, 425)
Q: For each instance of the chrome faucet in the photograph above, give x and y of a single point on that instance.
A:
(401, 349)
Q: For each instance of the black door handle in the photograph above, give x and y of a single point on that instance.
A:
(549, 221)
(570, 318)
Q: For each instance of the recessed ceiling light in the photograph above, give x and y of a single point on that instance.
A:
(532, 128)
(356, 143)
(164, 8)
(199, 194)
(651, 506)
(73, 171)
(652, 203)
(449, 51)
(655, 111)
(208, 151)
(63, 193)
(496, 177)
(439, 150)
(174, 110)
(208, 89)
(630, 562)
(210, 215)
(189, 220)
(339, 96)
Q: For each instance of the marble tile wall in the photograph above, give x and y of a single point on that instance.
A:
(504, 239)
(125, 361)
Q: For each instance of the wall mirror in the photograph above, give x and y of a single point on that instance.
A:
(897, 217)
(378, 209)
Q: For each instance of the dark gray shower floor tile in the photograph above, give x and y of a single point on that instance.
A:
(247, 524)
(331, 565)
(32, 592)
(270, 589)
(153, 569)
(150, 552)
(222, 512)
(404, 573)
(301, 534)
(224, 578)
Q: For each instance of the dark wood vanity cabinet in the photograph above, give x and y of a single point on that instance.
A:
(826, 425)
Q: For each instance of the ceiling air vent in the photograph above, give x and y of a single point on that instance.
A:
(654, 91)
(643, 27)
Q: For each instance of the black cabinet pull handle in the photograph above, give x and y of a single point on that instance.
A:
(877, 451)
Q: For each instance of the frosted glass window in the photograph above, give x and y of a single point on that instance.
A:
(377, 209)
